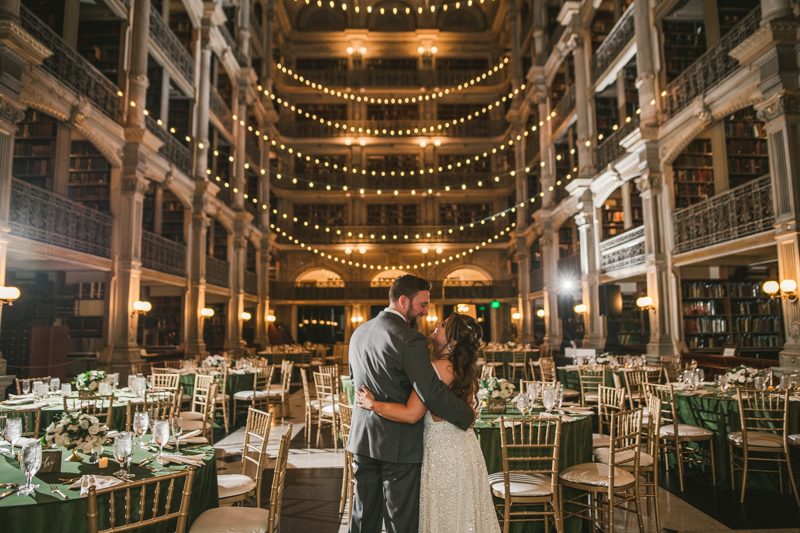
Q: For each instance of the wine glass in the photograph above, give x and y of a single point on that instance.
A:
(759, 383)
(559, 394)
(131, 380)
(161, 436)
(549, 399)
(114, 380)
(26, 387)
(55, 385)
(13, 432)
(30, 464)
(140, 422)
(3, 419)
(700, 374)
(152, 416)
(123, 450)
(177, 430)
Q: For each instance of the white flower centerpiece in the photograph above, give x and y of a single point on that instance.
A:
(213, 361)
(741, 375)
(495, 392)
(77, 431)
(90, 381)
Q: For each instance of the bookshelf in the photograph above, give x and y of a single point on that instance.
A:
(462, 63)
(172, 219)
(392, 163)
(179, 117)
(394, 63)
(612, 218)
(631, 92)
(218, 241)
(392, 112)
(694, 174)
(89, 176)
(304, 64)
(457, 111)
(162, 325)
(99, 42)
(181, 26)
(634, 326)
(607, 115)
(602, 24)
(325, 165)
(450, 160)
(35, 149)
(452, 214)
(214, 328)
(328, 111)
(731, 312)
(320, 214)
(684, 42)
(393, 215)
(746, 144)
(732, 12)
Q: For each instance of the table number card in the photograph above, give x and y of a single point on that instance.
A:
(51, 461)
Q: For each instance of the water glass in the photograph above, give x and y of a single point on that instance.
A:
(131, 381)
(26, 387)
(161, 435)
(66, 389)
(177, 431)
(701, 376)
(140, 421)
(114, 380)
(13, 432)
(123, 450)
(759, 382)
(103, 388)
(30, 463)
(55, 385)
(549, 399)
(142, 385)
(559, 394)
(786, 381)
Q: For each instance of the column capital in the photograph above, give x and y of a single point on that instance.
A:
(648, 181)
(134, 185)
(783, 104)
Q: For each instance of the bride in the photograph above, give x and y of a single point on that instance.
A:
(454, 486)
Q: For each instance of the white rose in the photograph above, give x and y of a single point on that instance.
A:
(93, 430)
(72, 428)
(92, 385)
(496, 394)
(84, 424)
(61, 440)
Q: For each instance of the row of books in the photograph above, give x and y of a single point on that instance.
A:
(706, 325)
(755, 325)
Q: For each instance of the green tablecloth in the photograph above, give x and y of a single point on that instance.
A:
(572, 380)
(55, 408)
(576, 448)
(507, 357)
(234, 384)
(45, 511)
(347, 386)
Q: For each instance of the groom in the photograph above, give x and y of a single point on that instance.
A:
(390, 357)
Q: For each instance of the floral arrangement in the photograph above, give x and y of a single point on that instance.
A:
(90, 380)
(605, 358)
(213, 361)
(741, 374)
(77, 431)
(493, 388)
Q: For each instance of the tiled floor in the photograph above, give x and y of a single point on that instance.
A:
(313, 485)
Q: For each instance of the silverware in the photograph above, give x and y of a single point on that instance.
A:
(55, 490)
(9, 493)
(9, 485)
(143, 462)
(121, 478)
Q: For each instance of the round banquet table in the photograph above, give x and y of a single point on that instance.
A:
(234, 384)
(347, 386)
(576, 448)
(46, 511)
(506, 357)
(53, 407)
(572, 380)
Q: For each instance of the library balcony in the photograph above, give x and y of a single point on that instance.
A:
(711, 68)
(622, 251)
(564, 108)
(375, 78)
(739, 212)
(163, 255)
(71, 68)
(386, 234)
(172, 149)
(619, 41)
(221, 111)
(171, 49)
(42, 216)
(470, 128)
(250, 282)
(610, 150)
(478, 290)
(217, 272)
(570, 266)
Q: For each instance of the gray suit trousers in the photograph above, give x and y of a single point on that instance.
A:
(396, 484)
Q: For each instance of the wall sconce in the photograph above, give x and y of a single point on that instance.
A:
(270, 318)
(432, 318)
(356, 319)
(462, 308)
(580, 308)
(644, 303)
(8, 295)
(787, 289)
(516, 315)
(540, 313)
(141, 308)
(206, 312)
(245, 315)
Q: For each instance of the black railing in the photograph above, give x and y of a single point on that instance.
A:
(381, 234)
(71, 68)
(163, 254)
(470, 128)
(393, 78)
(610, 149)
(482, 290)
(564, 108)
(623, 250)
(226, 34)
(172, 149)
(739, 212)
(364, 291)
(171, 46)
(615, 42)
(217, 271)
(711, 68)
(43, 216)
(218, 107)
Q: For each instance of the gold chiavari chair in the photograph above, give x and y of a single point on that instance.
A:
(348, 479)
(246, 486)
(204, 400)
(670, 366)
(590, 379)
(489, 360)
(517, 362)
(547, 369)
(675, 437)
(177, 365)
(765, 431)
(609, 401)
(610, 486)
(328, 406)
(258, 396)
(30, 382)
(160, 405)
(312, 406)
(487, 371)
(144, 369)
(223, 399)
(530, 473)
(635, 381)
(279, 392)
(97, 406)
(119, 501)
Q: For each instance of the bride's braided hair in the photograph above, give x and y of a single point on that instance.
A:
(464, 356)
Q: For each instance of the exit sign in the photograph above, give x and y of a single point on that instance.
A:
(495, 305)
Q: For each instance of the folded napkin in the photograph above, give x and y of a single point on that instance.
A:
(18, 407)
(190, 438)
(98, 482)
(237, 372)
(571, 367)
(21, 396)
(794, 398)
(509, 422)
(191, 460)
(20, 401)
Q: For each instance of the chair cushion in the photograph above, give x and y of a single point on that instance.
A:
(185, 398)
(571, 393)
(794, 440)
(248, 394)
(523, 485)
(600, 441)
(329, 409)
(191, 415)
(595, 474)
(191, 425)
(232, 520)
(684, 430)
(590, 397)
(601, 455)
(762, 439)
(221, 397)
(230, 485)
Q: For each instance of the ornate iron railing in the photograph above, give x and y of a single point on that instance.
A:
(711, 68)
(283, 290)
(172, 148)
(739, 212)
(171, 45)
(226, 34)
(250, 282)
(610, 149)
(564, 107)
(163, 254)
(217, 271)
(71, 68)
(494, 289)
(571, 263)
(622, 251)
(616, 41)
(470, 128)
(373, 234)
(43, 216)
(537, 279)
(220, 109)
(392, 78)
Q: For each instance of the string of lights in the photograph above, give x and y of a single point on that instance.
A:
(396, 10)
(391, 132)
(413, 99)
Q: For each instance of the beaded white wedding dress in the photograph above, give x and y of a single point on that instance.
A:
(454, 488)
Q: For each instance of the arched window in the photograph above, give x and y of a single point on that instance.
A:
(462, 20)
(312, 18)
(392, 16)
(467, 276)
(320, 277)
(386, 278)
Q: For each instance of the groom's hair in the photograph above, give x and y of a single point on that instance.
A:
(408, 286)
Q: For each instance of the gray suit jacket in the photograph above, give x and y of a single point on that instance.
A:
(391, 359)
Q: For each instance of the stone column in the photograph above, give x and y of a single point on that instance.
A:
(585, 167)
(262, 311)
(203, 98)
(237, 254)
(590, 273)
(239, 181)
(549, 247)
(645, 63)
(158, 209)
(197, 271)
(244, 33)
(137, 77)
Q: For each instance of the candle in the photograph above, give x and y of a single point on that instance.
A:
(103, 462)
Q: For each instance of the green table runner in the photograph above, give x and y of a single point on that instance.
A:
(45, 511)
